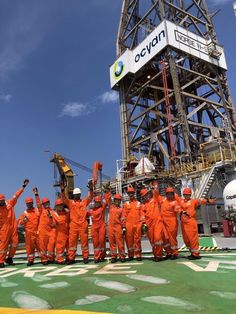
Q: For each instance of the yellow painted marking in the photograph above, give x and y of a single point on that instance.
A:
(7, 310)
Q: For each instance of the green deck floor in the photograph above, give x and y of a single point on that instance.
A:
(181, 286)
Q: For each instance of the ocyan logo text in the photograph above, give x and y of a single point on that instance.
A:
(230, 197)
(149, 47)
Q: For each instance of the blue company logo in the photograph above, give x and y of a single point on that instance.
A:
(118, 69)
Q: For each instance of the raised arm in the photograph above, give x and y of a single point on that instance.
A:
(15, 197)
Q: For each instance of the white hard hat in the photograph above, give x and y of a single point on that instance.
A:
(76, 191)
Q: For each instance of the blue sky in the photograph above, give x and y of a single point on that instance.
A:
(54, 86)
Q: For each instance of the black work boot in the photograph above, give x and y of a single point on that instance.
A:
(9, 261)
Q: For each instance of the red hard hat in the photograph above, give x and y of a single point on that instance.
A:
(187, 191)
(2, 197)
(45, 200)
(143, 192)
(29, 200)
(58, 202)
(117, 197)
(169, 189)
(97, 199)
(130, 189)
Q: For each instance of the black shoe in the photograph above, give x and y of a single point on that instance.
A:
(70, 261)
(113, 260)
(194, 257)
(158, 259)
(85, 260)
(51, 262)
(2, 265)
(45, 263)
(102, 260)
(139, 259)
(130, 258)
(173, 257)
(9, 261)
(168, 256)
(96, 261)
(30, 263)
(122, 260)
(60, 263)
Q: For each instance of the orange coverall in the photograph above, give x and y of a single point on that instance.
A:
(132, 220)
(98, 230)
(189, 224)
(154, 222)
(30, 219)
(7, 216)
(169, 211)
(115, 236)
(47, 231)
(13, 243)
(78, 225)
(62, 234)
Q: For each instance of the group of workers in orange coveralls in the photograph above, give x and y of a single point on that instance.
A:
(54, 233)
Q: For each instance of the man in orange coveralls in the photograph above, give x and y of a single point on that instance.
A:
(30, 219)
(189, 222)
(7, 215)
(47, 223)
(153, 223)
(170, 206)
(115, 233)
(13, 243)
(133, 224)
(78, 222)
(98, 230)
(62, 231)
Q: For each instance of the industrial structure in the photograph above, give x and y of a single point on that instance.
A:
(176, 110)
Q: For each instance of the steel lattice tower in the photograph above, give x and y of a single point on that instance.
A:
(175, 104)
(196, 90)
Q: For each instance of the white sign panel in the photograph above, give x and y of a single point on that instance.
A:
(194, 45)
(166, 33)
(133, 60)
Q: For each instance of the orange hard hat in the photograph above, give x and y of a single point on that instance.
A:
(2, 197)
(29, 200)
(45, 200)
(97, 199)
(130, 189)
(117, 197)
(187, 191)
(58, 202)
(169, 189)
(143, 192)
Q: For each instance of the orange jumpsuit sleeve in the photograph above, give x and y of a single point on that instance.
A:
(157, 197)
(107, 197)
(88, 199)
(65, 199)
(15, 197)
(56, 217)
(21, 219)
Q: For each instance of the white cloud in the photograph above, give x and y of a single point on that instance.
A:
(5, 97)
(109, 97)
(75, 109)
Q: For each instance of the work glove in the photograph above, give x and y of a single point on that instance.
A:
(144, 228)
(25, 183)
(25, 219)
(49, 214)
(123, 231)
(90, 185)
(35, 191)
